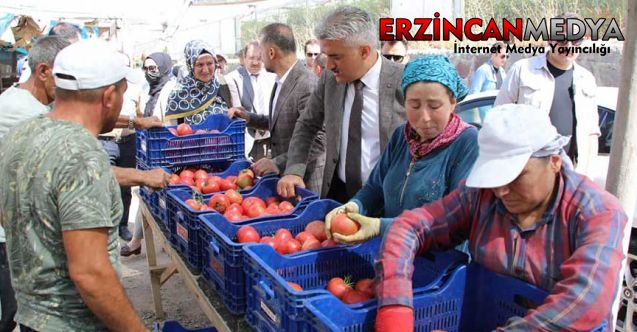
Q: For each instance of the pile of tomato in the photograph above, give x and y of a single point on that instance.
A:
(235, 207)
(185, 129)
(313, 237)
(345, 290)
(200, 181)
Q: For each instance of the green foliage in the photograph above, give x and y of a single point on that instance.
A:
(303, 19)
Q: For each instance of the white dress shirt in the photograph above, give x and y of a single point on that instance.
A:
(279, 82)
(262, 87)
(370, 126)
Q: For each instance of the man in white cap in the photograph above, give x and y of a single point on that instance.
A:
(527, 214)
(61, 203)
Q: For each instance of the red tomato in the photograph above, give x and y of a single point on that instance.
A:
(353, 296)
(215, 131)
(255, 210)
(247, 234)
(200, 174)
(234, 196)
(338, 287)
(188, 182)
(328, 243)
(247, 171)
(184, 129)
(272, 209)
(283, 234)
(175, 179)
(269, 241)
(186, 174)
(311, 243)
(233, 215)
(291, 246)
(201, 131)
(317, 228)
(249, 201)
(219, 202)
(341, 224)
(304, 236)
(205, 207)
(295, 286)
(210, 187)
(227, 185)
(271, 200)
(245, 180)
(232, 179)
(193, 204)
(366, 286)
(286, 207)
(235, 207)
(200, 183)
(214, 178)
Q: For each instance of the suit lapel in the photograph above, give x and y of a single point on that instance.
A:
(387, 91)
(287, 88)
(336, 106)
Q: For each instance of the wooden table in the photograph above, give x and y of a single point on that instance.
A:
(211, 304)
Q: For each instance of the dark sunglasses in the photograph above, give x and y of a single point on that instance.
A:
(393, 57)
(151, 68)
(312, 54)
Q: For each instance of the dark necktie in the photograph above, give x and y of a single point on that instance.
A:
(353, 161)
(272, 102)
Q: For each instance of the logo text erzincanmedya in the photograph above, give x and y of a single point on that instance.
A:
(556, 29)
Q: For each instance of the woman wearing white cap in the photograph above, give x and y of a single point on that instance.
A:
(526, 213)
(428, 156)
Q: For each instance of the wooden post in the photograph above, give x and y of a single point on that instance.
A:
(622, 174)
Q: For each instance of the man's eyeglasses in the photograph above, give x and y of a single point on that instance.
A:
(150, 68)
(394, 57)
(313, 55)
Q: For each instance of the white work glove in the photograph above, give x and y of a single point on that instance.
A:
(347, 208)
(370, 228)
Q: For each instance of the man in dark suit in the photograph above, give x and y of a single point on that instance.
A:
(360, 101)
(292, 89)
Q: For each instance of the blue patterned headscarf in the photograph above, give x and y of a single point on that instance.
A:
(192, 99)
(434, 68)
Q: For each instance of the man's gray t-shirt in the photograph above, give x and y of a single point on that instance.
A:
(562, 112)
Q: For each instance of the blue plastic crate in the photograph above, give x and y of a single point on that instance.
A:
(156, 200)
(174, 326)
(435, 308)
(186, 225)
(158, 147)
(272, 305)
(223, 256)
(492, 298)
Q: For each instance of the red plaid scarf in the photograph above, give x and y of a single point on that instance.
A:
(418, 149)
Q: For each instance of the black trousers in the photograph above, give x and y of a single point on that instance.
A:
(7, 297)
(124, 158)
(338, 190)
(260, 149)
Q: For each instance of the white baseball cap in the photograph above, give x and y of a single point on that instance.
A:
(510, 134)
(90, 64)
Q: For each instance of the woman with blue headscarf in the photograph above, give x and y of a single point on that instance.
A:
(427, 157)
(201, 93)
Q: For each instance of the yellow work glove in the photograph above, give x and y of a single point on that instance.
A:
(347, 208)
(370, 228)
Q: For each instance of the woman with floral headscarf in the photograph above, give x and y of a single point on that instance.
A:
(201, 93)
(427, 157)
